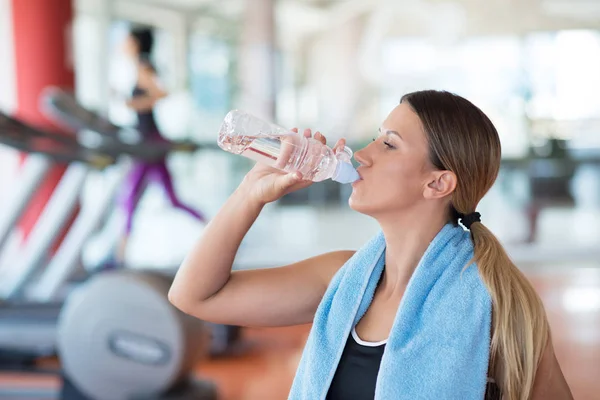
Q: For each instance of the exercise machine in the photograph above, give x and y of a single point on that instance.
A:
(116, 334)
(63, 107)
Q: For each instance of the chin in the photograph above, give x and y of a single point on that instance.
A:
(375, 205)
(360, 206)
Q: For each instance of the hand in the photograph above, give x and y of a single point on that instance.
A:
(265, 184)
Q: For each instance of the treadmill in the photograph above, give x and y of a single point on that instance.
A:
(27, 326)
(31, 280)
(63, 107)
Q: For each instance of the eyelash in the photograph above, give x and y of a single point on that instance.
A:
(389, 146)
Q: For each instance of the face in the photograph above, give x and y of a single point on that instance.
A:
(395, 168)
(130, 47)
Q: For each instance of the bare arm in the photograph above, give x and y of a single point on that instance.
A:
(142, 103)
(550, 383)
(147, 80)
(281, 296)
(206, 287)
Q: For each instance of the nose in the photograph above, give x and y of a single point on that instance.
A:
(362, 157)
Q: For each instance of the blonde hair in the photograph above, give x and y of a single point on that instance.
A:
(463, 140)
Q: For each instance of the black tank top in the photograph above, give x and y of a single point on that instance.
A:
(146, 123)
(357, 371)
(356, 374)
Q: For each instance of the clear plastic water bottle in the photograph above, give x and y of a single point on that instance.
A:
(267, 143)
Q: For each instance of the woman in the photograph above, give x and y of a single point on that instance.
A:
(146, 93)
(434, 159)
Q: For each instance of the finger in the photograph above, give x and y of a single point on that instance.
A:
(285, 152)
(307, 132)
(319, 136)
(339, 146)
(290, 179)
(300, 185)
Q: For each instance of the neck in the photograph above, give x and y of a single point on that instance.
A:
(407, 237)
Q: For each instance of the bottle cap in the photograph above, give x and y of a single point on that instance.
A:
(345, 173)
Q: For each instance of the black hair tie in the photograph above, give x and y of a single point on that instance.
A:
(468, 219)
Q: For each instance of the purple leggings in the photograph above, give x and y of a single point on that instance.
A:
(136, 182)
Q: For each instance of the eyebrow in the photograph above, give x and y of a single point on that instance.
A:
(389, 132)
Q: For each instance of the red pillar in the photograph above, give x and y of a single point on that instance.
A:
(42, 43)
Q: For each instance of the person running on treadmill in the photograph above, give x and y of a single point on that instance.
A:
(145, 94)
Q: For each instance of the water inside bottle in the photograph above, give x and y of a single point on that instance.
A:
(290, 152)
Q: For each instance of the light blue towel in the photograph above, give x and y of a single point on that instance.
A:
(438, 347)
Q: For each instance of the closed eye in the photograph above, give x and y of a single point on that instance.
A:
(386, 144)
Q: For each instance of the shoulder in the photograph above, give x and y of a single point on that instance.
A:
(146, 65)
(550, 383)
(328, 264)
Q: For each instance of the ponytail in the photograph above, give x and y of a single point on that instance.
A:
(520, 329)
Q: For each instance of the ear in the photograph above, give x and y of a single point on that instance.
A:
(440, 184)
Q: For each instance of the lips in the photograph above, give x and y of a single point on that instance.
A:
(359, 174)
(360, 178)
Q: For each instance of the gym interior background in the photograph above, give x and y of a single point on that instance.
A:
(334, 65)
